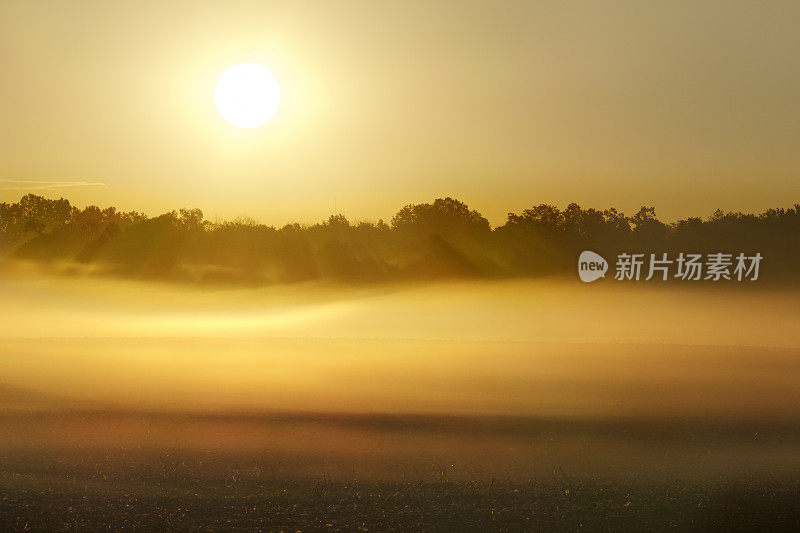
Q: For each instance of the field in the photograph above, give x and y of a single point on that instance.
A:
(493, 406)
(291, 472)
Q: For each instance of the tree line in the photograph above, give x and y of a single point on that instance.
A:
(442, 239)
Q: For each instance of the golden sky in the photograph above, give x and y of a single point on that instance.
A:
(687, 106)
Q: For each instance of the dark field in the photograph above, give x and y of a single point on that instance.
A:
(96, 471)
(539, 406)
(383, 506)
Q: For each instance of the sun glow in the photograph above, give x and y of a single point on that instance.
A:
(247, 95)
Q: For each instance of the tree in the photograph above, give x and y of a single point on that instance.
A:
(443, 217)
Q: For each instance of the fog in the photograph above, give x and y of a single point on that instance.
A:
(549, 347)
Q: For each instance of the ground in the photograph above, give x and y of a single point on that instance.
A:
(124, 476)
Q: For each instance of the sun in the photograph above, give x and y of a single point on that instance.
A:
(247, 95)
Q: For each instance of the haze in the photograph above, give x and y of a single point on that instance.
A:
(689, 107)
(547, 348)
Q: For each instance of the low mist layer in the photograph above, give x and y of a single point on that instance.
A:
(543, 348)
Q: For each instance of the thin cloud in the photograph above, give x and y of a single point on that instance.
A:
(42, 185)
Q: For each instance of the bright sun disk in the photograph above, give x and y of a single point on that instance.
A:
(247, 95)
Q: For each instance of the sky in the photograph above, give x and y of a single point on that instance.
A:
(686, 106)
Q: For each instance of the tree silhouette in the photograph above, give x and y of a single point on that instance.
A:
(444, 238)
